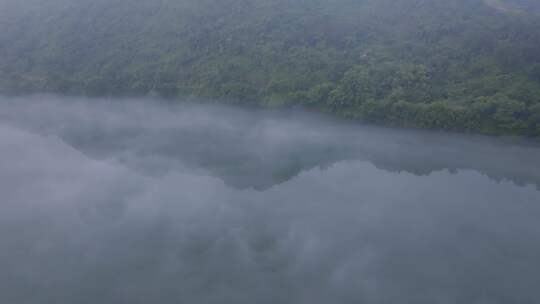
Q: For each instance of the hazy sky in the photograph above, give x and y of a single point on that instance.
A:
(154, 203)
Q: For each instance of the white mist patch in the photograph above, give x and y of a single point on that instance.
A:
(139, 202)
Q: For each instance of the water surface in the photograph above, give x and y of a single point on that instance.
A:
(142, 201)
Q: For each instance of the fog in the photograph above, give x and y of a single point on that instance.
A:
(148, 201)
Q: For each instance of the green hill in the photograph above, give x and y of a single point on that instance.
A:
(463, 65)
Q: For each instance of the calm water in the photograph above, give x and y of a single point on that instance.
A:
(138, 201)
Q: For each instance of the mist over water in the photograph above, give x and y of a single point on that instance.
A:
(143, 201)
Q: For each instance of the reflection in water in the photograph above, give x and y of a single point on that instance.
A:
(138, 202)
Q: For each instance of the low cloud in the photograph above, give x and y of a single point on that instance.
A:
(133, 201)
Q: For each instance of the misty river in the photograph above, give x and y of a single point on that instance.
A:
(147, 201)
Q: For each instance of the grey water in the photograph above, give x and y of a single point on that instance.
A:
(146, 201)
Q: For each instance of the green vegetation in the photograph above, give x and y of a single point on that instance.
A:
(463, 65)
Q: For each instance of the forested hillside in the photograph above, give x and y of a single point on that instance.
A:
(461, 65)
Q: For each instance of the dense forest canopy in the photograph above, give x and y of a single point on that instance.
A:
(462, 65)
